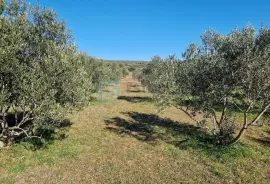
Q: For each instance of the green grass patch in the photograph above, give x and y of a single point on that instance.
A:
(18, 168)
(7, 181)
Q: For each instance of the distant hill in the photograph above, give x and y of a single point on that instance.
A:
(131, 64)
(128, 61)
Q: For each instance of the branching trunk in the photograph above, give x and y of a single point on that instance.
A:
(242, 131)
(246, 125)
(22, 131)
(224, 110)
(10, 132)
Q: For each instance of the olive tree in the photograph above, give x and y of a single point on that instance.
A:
(102, 71)
(42, 76)
(227, 73)
(233, 73)
(2, 6)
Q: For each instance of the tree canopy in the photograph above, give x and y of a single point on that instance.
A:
(226, 73)
(42, 75)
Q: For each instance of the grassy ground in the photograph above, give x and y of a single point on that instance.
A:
(129, 142)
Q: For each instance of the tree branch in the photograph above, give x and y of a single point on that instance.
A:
(187, 113)
(215, 117)
(259, 115)
(24, 132)
(238, 107)
(246, 125)
(25, 119)
(224, 110)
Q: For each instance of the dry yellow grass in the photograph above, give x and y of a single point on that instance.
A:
(129, 142)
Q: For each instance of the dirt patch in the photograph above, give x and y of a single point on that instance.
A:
(130, 86)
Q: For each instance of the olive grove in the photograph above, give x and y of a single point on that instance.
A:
(225, 74)
(42, 75)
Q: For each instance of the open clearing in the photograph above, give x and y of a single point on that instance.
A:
(130, 142)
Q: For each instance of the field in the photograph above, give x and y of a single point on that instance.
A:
(128, 141)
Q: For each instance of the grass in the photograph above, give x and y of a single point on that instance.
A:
(130, 142)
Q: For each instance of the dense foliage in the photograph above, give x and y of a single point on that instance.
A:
(227, 73)
(42, 75)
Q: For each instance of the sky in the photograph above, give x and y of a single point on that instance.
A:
(140, 29)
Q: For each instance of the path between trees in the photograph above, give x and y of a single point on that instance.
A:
(125, 142)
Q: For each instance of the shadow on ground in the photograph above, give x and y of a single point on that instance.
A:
(48, 133)
(135, 99)
(136, 91)
(152, 129)
(263, 141)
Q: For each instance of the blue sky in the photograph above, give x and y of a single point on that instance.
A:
(140, 29)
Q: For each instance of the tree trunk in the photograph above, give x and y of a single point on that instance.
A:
(246, 126)
(239, 136)
(242, 131)
(189, 115)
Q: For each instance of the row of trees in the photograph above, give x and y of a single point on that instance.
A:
(100, 70)
(225, 74)
(42, 75)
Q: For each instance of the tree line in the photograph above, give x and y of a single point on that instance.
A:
(213, 80)
(42, 74)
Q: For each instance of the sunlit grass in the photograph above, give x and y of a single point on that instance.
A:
(140, 145)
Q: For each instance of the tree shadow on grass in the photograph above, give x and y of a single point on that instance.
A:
(152, 129)
(107, 91)
(136, 91)
(263, 141)
(48, 133)
(135, 99)
(132, 85)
